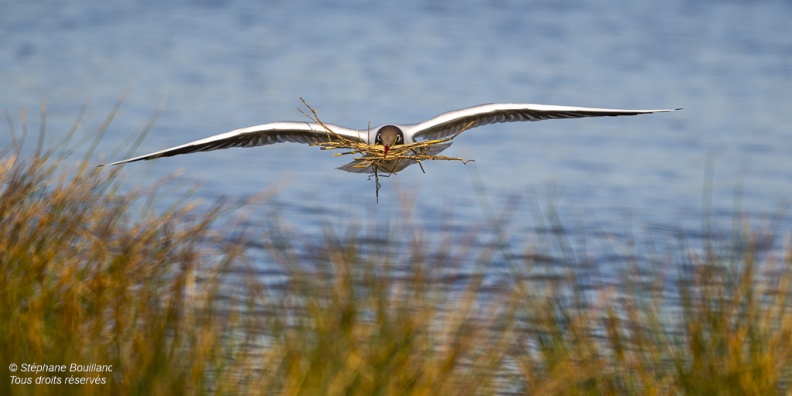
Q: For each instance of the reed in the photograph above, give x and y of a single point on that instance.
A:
(373, 155)
(170, 298)
(91, 274)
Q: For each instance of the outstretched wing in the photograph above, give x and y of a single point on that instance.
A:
(259, 135)
(447, 124)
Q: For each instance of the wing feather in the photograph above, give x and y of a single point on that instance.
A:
(259, 135)
(449, 123)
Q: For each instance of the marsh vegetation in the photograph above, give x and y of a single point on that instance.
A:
(93, 270)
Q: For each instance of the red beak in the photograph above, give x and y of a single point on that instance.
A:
(386, 152)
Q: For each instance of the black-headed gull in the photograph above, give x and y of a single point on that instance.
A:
(442, 126)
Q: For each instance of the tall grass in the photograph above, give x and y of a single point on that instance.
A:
(94, 275)
(90, 273)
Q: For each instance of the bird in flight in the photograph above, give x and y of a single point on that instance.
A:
(442, 126)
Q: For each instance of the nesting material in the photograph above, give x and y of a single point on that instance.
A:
(373, 156)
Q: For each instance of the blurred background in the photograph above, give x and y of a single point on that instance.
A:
(214, 66)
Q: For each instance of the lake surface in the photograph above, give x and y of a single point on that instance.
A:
(213, 66)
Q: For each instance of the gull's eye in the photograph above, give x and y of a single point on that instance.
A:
(378, 139)
(398, 138)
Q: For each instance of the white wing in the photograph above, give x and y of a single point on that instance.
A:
(447, 124)
(259, 135)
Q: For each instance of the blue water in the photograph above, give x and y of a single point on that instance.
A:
(214, 66)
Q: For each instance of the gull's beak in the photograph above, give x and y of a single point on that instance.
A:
(388, 140)
(388, 137)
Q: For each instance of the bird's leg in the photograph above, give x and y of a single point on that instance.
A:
(376, 182)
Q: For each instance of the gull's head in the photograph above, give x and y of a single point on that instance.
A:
(389, 136)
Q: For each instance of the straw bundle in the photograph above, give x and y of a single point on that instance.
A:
(373, 156)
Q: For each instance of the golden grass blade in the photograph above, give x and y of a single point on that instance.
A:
(374, 154)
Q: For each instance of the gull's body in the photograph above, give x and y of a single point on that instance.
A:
(441, 126)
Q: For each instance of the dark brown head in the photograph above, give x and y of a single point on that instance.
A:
(389, 136)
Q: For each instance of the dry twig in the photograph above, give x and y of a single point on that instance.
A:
(373, 155)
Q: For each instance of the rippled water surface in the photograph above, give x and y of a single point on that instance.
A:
(214, 66)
